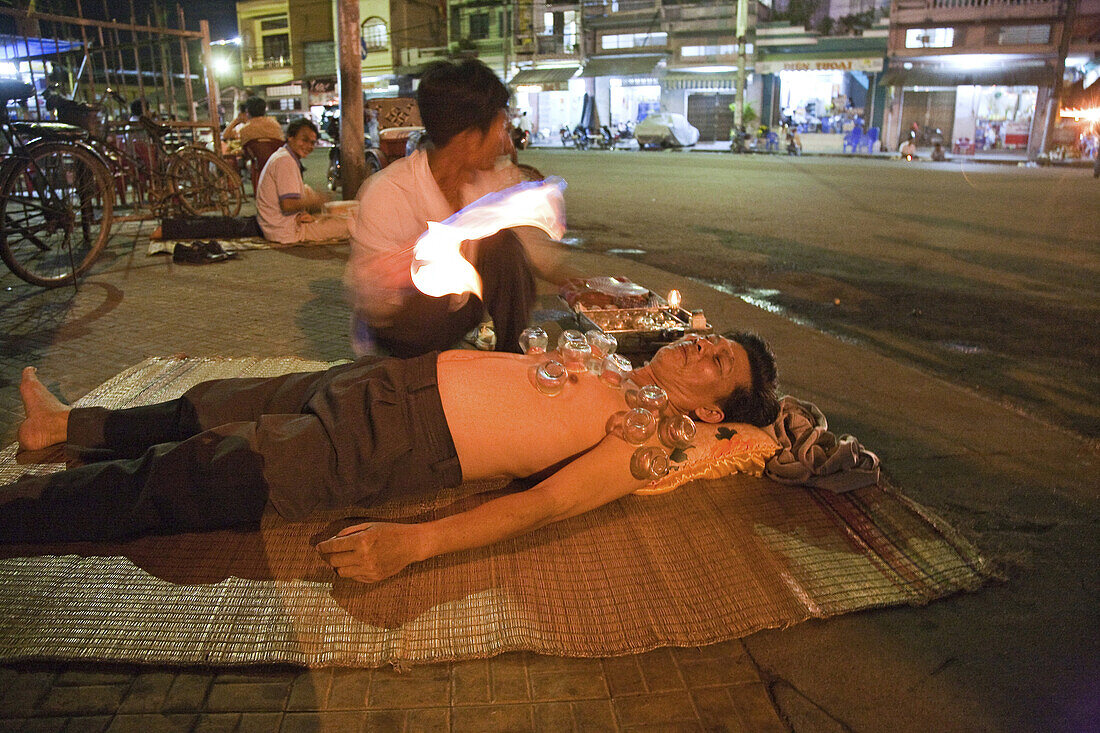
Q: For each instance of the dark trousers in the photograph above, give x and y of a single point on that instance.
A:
(214, 457)
(210, 227)
(508, 294)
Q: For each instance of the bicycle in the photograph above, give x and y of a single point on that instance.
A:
(56, 198)
(166, 178)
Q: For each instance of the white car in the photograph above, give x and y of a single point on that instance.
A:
(665, 130)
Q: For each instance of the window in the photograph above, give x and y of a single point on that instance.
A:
(373, 35)
(273, 24)
(929, 37)
(1024, 35)
(723, 50)
(276, 47)
(456, 23)
(479, 26)
(633, 40)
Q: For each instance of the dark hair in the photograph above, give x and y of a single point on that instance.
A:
(297, 124)
(757, 405)
(138, 107)
(255, 106)
(457, 96)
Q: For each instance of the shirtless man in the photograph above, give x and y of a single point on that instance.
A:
(360, 433)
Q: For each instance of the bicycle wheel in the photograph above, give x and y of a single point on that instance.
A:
(56, 204)
(204, 182)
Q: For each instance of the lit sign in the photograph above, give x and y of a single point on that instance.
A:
(865, 64)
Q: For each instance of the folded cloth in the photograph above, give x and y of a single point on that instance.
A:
(812, 456)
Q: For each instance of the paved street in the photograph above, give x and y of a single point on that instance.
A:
(1020, 654)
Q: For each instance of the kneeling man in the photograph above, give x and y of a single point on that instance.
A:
(361, 433)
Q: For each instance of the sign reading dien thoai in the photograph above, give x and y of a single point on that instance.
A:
(862, 64)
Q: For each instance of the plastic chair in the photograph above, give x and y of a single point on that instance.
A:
(870, 139)
(852, 140)
(256, 153)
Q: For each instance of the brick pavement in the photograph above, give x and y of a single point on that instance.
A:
(290, 302)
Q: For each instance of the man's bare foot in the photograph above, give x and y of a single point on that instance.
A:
(47, 417)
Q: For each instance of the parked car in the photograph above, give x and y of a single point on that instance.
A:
(665, 130)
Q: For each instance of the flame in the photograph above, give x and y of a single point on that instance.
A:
(674, 299)
(438, 266)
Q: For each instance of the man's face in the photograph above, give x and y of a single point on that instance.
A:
(700, 371)
(491, 144)
(302, 142)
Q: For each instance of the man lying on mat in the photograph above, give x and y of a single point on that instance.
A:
(361, 433)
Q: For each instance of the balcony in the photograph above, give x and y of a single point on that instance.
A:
(907, 12)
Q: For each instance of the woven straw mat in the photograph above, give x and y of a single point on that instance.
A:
(711, 561)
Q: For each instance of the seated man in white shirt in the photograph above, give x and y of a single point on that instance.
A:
(464, 108)
(288, 210)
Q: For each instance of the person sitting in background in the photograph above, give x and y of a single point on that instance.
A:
(937, 152)
(287, 209)
(253, 123)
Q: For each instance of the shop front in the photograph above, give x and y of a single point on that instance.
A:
(551, 98)
(705, 98)
(823, 95)
(972, 105)
(625, 88)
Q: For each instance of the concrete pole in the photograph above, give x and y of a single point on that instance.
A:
(213, 92)
(1055, 102)
(741, 31)
(353, 161)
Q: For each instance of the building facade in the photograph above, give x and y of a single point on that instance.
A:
(984, 73)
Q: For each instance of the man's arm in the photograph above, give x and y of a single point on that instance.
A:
(376, 550)
(308, 201)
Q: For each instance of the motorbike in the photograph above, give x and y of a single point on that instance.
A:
(577, 137)
(520, 138)
(740, 140)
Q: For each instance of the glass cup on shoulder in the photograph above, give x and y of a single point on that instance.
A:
(615, 371)
(602, 345)
(649, 463)
(638, 426)
(550, 377)
(575, 351)
(676, 431)
(533, 340)
(652, 398)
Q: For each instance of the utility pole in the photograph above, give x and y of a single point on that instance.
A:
(1055, 103)
(353, 161)
(742, 32)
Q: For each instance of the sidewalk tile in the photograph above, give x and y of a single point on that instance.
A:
(568, 685)
(152, 723)
(218, 723)
(553, 717)
(428, 720)
(310, 690)
(259, 722)
(660, 671)
(34, 725)
(147, 693)
(188, 692)
(623, 676)
(470, 682)
(248, 697)
(87, 676)
(594, 715)
(388, 692)
(508, 681)
(662, 707)
(493, 718)
(82, 700)
(24, 693)
(334, 722)
(88, 724)
(756, 709)
(349, 689)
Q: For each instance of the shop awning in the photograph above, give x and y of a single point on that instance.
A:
(941, 76)
(622, 65)
(20, 48)
(695, 80)
(550, 75)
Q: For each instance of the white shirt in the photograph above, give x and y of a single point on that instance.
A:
(280, 179)
(395, 206)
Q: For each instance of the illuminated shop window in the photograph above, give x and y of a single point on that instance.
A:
(929, 37)
(1024, 35)
(633, 40)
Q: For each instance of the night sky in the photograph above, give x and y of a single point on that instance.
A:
(222, 14)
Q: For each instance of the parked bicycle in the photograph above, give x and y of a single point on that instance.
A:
(156, 174)
(56, 196)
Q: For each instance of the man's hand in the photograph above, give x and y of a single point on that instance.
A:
(373, 551)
